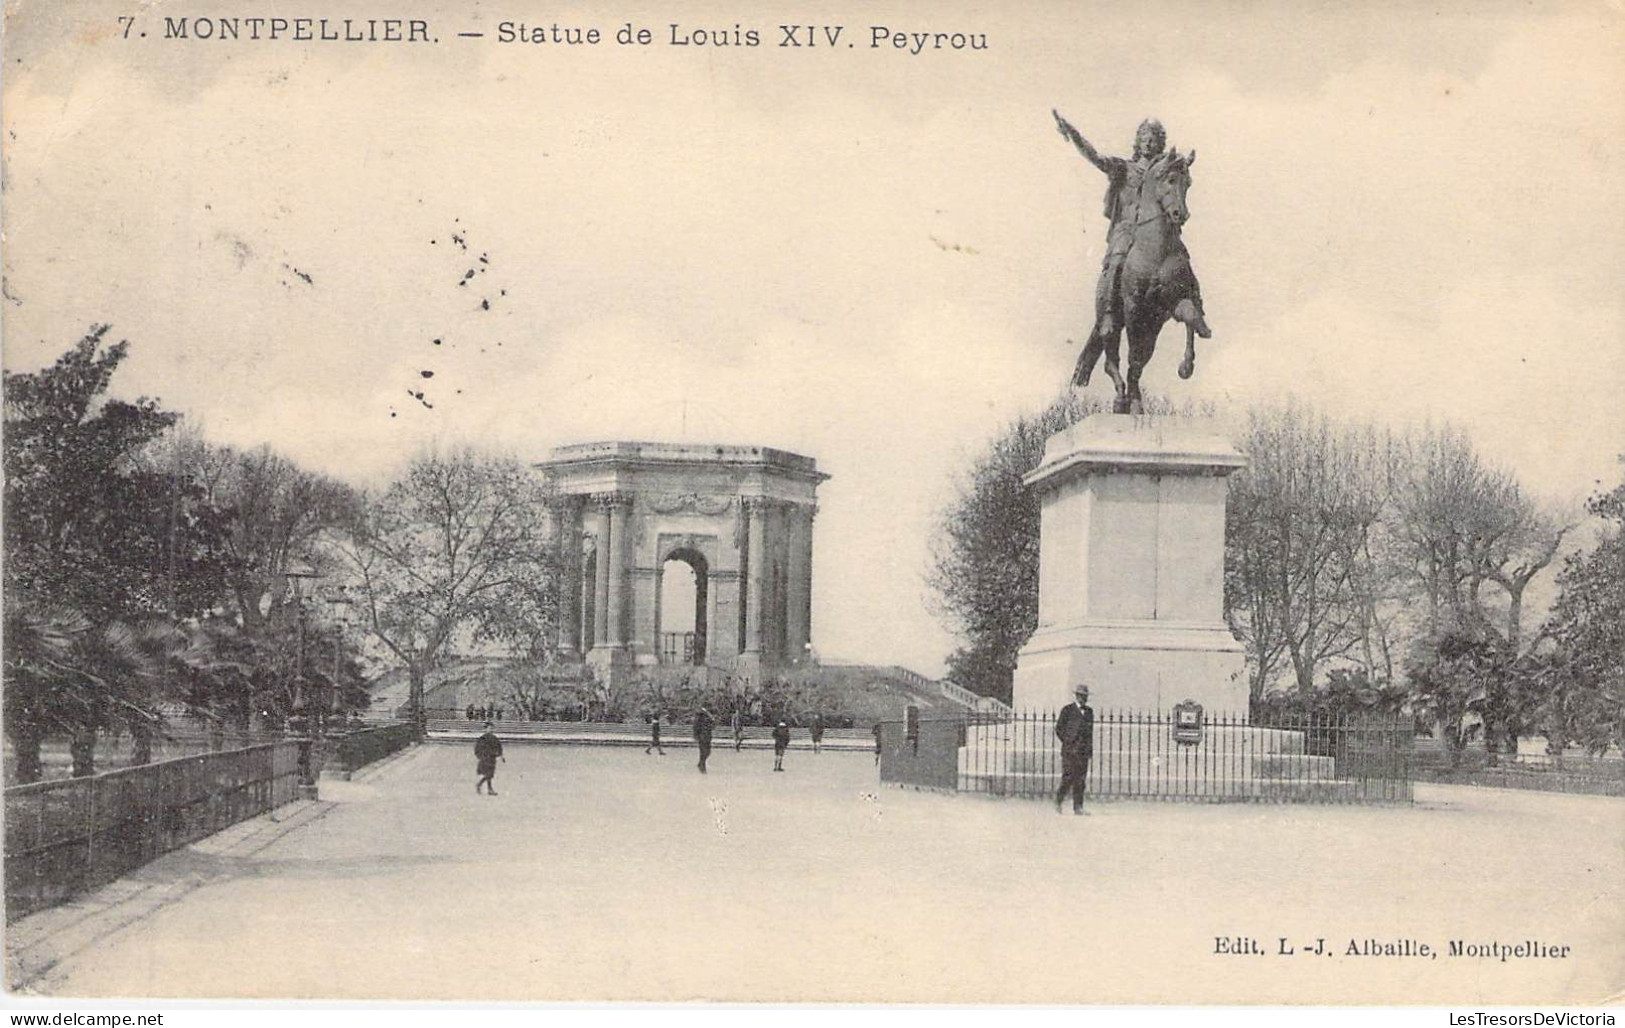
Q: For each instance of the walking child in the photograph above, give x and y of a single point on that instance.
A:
(704, 725)
(781, 742)
(487, 751)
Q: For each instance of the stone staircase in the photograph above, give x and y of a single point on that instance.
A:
(929, 692)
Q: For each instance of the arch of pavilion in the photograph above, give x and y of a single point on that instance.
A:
(739, 517)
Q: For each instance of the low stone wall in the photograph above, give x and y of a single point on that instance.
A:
(1523, 778)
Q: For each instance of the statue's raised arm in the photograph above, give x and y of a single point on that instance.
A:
(1146, 276)
(1075, 137)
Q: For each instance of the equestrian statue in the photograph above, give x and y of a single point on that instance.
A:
(1146, 277)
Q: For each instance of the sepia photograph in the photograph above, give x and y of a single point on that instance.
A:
(756, 504)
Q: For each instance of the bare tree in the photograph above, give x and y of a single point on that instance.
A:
(1304, 587)
(1452, 508)
(441, 551)
(1474, 542)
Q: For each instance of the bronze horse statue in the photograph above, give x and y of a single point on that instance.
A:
(1152, 283)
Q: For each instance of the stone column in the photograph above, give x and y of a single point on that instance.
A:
(756, 509)
(567, 536)
(620, 507)
(643, 614)
(585, 595)
(778, 624)
(722, 627)
(799, 601)
(600, 606)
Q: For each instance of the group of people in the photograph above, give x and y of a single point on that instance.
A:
(705, 727)
(484, 713)
(488, 748)
(1075, 728)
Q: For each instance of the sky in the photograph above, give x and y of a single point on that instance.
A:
(876, 258)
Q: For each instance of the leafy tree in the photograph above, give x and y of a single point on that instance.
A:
(85, 524)
(66, 675)
(276, 522)
(1451, 678)
(1346, 691)
(1585, 671)
(984, 560)
(280, 516)
(44, 685)
(102, 552)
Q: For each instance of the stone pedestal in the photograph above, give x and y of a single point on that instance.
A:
(1131, 569)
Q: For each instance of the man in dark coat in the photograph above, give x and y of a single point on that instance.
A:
(818, 733)
(1076, 730)
(704, 726)
(487, 751)
(781, 742)
(654, 735)
(877, 731)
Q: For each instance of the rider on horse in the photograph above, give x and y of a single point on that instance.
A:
(1127, 203)
(1131, 202)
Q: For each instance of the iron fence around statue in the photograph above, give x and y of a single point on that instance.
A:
(65, 836)
(1168, 755)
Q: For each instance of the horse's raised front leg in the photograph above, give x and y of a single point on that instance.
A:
(1189, 311)
(1190, 314)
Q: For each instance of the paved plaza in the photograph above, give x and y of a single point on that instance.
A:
(602, 873)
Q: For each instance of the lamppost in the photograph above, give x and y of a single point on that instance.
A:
(338, 610)
(301, 722)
